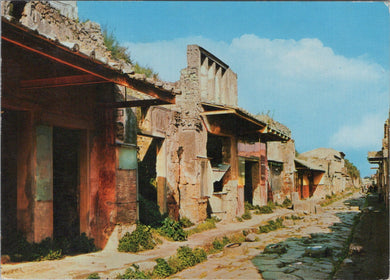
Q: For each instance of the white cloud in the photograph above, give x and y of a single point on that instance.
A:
(306, 85)
(363, 135)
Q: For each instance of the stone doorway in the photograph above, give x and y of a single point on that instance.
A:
(148, 173)
(66, 182)
(151, 179)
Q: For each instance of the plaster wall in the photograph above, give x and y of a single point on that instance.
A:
(285, 153)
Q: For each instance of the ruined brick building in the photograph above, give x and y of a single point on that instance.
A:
(321, 172)
(83, 136)
(381, 159)
(69, 157)
(209, 155)
(282, 169)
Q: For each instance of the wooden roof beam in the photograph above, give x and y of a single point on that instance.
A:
(28, 40)
(134, 103)
(61, 81)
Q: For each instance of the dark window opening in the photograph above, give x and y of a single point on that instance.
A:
(214, 149)
(218, 149)
(66, 178)
(276, 168)
(218, 186)
(17, 9)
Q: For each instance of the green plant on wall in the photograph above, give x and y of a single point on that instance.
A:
(122, 53)
(352, 170)
(112, 44)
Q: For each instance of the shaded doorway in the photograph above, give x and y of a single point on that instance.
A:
(147, 172)
(9, 152)
(150, 212)
(66, 179)
(248, 189)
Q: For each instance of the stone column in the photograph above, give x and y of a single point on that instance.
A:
(217, 88)
(211, 83)
(203, 79)
(43, 198)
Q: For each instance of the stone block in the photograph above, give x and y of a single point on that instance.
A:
(275, 249)
(235, 249)
(294, 197)
(318, 251)
(250, 237)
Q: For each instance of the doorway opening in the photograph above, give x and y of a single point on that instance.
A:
(66, 182)
(148, 172)
(149, 191)
(248, 189)
(9, 152)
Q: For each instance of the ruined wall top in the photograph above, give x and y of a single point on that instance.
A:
(322, 153)
(48, 21)
(217, 82)
(274, 125)
(66, 8)
(282, 152)
(58, 22)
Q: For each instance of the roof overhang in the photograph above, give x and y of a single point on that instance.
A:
(87, 69)
(273, 135)
(246, 124)
(227, 120)
(375, 157)
(305, 165)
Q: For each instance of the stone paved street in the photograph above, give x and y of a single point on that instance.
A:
(332, 228)
(225, 266)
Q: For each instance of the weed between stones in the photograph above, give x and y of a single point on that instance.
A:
(271, 226)
(206, 225)
(139, 240)
(94, 275)
(185, 257)
(172, 230)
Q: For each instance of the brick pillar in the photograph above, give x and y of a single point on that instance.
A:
(126, 185)
(26, 175)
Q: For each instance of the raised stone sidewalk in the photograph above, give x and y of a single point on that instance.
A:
(108, 263)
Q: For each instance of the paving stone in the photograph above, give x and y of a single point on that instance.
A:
(310, 274)
(289, 269)
(260, 263)
(278, 275)
(275, 248)
(326, 266)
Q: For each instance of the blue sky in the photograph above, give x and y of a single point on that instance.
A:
(321, 68)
